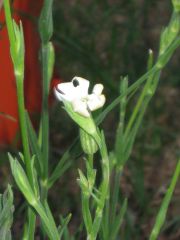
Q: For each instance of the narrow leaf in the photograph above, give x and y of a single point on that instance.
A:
(161, 216)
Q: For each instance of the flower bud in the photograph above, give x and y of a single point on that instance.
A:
(46, 22)
(51, 58)
(83, 183)
(18, 54)
(98, 88)
(88, 143)
(169, 33)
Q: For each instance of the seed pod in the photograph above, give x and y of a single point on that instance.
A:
(88, 143)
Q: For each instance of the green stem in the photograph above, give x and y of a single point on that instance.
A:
(45, 119)
(9, 25)
(21, 109)
(115, 195)
(86, 213)
(131, 138)
(50, 225)
(31, 223)
(104, 189)
(23, 126)
(119, 150)
(119, 143)
(106, 220)
(138, 106)
(90, 159)
(85, 202)
(20, 96)
(161, 216)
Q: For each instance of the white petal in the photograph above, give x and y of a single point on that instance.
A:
(80, 107)
(62, 91)
(94, 102)
(57, 95)
(70, 91)
(82, 89)
(98, 88)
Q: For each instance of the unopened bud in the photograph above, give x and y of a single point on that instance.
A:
(88, 143)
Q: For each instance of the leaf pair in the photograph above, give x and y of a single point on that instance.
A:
(33, 199)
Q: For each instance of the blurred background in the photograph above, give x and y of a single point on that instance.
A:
(102, 40)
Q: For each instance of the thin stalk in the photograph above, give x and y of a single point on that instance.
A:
(23, 126)
(119, 149)
(104, 188)
(31, 224)
(45, 120)
(130, 140)
(137, 107)
(9, 25)
(86, 213)
(143, 94)
(48, 223)
(90, 160)
(20, 93)
(21, 109)
(161, 216)
(85, 202)
(119, 143)
(45, 31)
(106, 220)
(115, 195)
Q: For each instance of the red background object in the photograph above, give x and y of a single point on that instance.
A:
(28, 11)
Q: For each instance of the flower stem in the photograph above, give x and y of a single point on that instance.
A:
(21, 108)
(45, 118)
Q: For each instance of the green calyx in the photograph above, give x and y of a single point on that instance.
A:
(88, 143)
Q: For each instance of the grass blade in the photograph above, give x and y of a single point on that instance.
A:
(60, 169)
(118, 220)
(64, 223)
(34, 144)
(160, 219)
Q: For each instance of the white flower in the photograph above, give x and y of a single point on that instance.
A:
(76, 92)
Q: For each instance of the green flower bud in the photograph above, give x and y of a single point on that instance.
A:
(51, 58)
(164, 58)
(83, 183)
(46, 22)
(88, 143)
(169, 33)
(18, 54)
